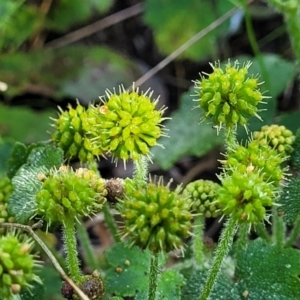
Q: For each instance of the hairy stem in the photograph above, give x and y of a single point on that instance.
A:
(85, 242)
(278, 227)
(224, 246)
(153, 277)
(242, 237)
(294, 235)
(111, 223)
(262, 232)
(57, 266)
(71, 248)
(291, 13)
(198, 240)
(141, 169)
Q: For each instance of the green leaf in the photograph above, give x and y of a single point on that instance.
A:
(70, 12)
(26, 184)
(168, 33)
(273, 65)
(52, 283)
(169, 285)
(129, 270)
(265, 271)
(6, 146)
(289, 200)
(17, 159)
(36, 292)
(133, 277)
(224, 288)
(187, 136)
(75, 72)
(28, 132)
(295, 157)
(290, 120)
(20, 22)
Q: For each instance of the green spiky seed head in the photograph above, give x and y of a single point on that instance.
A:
(6, 190)
(277, 137)
(155, 217)
(128, 124)
(74, 134)
(17, 265)
(244, 194)
(203, 196)
(228, 96)
(259, 158)
(70, 194)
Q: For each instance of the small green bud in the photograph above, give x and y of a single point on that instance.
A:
(155, 217)
(203, 194)
(17, 265)
(228, 97)
(127, 124)
(66, 193)
(74, 133)
(248, 205)
(277, 137)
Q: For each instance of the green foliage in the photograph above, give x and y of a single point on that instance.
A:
(184, 125)
(223, 290)
(29, 132)
(70, 12)
(168, 31)
(37, 292)
(5, 152)
(53, 71)
(127, 275)
(16, 27)
(289, 200)
(268, 271)
(295, 157)
(128, 270)
(26, 183)
(17, 158)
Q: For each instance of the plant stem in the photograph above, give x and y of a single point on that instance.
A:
(57, 266)
(71, 248)
(262, 232)
(85, 242)
(198, 240)
(111, 223)
(278, 227)
(224, 246)
(254, 44)
(242, 237)
(294, 234)
(141, 169)
(153, 276)
(291, 11)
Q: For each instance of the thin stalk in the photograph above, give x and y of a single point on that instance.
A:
(71, 248)
(230, 139)
(278, 227)
(242, 237)
(262, 232)
(141, 169)
(111, 223)
(153, 277)
(198, 240)
(57, 266)
(254, 44)
(224, 246)
(294, 235)
(85, 242)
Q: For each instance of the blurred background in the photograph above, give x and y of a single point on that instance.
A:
(56, 52)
